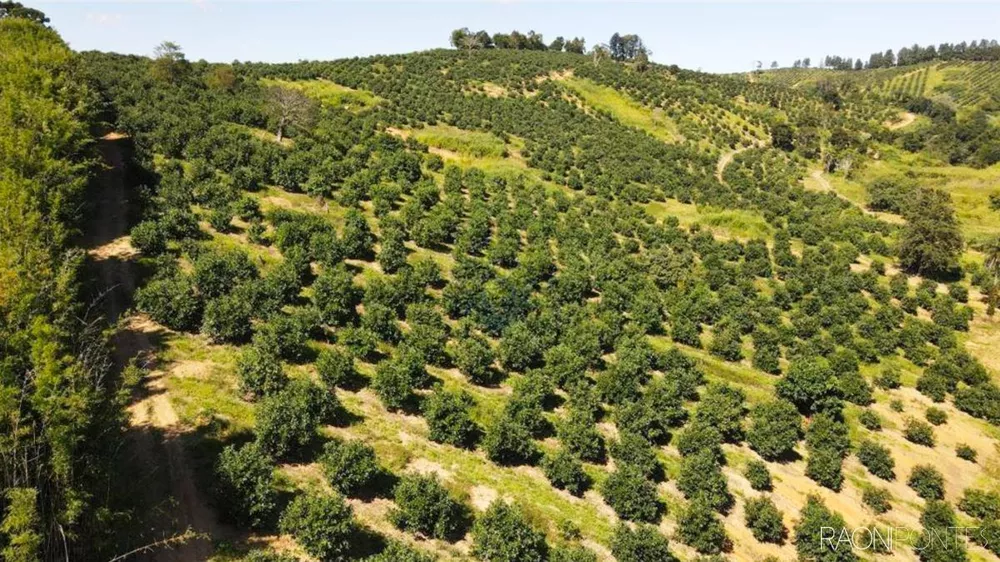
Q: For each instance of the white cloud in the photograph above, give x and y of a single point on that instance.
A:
(104, 19)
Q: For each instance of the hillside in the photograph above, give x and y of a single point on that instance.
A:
(964, 84)
(527, 305)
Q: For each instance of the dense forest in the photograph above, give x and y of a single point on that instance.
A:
(510, 302)
(61, 402)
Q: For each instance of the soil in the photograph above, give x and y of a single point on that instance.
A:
(155, 448)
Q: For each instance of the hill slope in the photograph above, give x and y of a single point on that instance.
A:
(601, 294)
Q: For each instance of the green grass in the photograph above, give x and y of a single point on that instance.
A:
(730, 223)
(401, 439)
(970, 188)
(202, 385)
(329, 93)
(758, 385)
(624, 108)
(476, 144)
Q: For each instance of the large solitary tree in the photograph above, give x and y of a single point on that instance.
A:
(169, 64)
(289, 108)
(931, 241)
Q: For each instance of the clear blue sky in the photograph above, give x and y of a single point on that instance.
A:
(712, 36)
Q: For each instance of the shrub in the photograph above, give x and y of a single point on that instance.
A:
(722, 407)
(896, 405)
(933, 386)
(396, 377)
(870, 420)
(381, 321)
(631, 495)
(217, 273)
(357, 238)
(287, 421)
(816, 522)
(424, 506)
(323, 525)
(938, 517)
(981, 401)
(699, 527)
(227, 319)
(919, 432)
(447, 414)
(758, 475)
(701, 476)
(507, 442)
(428, 333)
(474, 359)
(810, 384)
(572, 554)
(966, 452)
(579, 435)
(633, 449)
(877, 499)
(927, 482)
(642, 544)
(764, 520)
(396, 551)
(336, 296)
(876, 459)
(259, 372)
(149, 237)
(336, 368)
(350, 467)
(171, 301)
(727, 344)
(828, 432)
(244, 485)
(284, 336)
(565, 471)
(775, 428)
(824, 467)
(889, 378)
(936, 416)
(980, 504)
(519, 348)
(855, 389)
(699, 437)
(502, 534)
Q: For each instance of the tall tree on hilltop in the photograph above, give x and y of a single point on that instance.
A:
(17, 10)
(169, 64)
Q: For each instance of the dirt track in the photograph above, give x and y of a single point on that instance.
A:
(156, 451)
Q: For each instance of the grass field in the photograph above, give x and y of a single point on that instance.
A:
(970, 188)
(727, 223)
(624, 109)
(476, 144)
(328, 93)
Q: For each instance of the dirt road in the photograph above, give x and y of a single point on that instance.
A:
(171, 501)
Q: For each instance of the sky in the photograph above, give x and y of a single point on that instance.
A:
(710, 36)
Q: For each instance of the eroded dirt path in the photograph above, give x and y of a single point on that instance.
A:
(905, 118)
(727, 158)
(170, 502)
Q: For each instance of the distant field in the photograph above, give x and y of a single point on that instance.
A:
(962, 83)
(328, 93)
